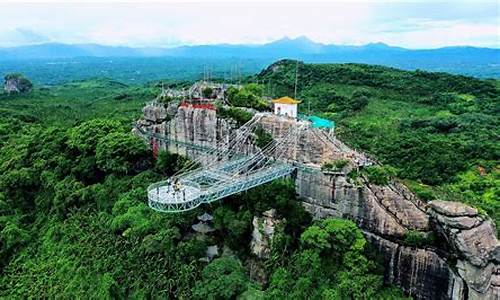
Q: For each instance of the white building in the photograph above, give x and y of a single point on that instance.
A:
(286, 106)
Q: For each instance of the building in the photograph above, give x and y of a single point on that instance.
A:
(286, 106)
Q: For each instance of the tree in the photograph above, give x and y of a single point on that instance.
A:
(248, 96)
(207, 92)
(223, 278)
(170, 163)
(120, 153)
(358, 100)
(85, 136)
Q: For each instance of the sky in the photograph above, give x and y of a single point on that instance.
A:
(411, 24)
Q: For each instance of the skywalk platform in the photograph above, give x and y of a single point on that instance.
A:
(207, 186)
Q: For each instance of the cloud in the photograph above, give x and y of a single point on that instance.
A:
(21, 36)
(417, 24)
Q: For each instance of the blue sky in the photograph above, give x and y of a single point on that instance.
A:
(411, 24)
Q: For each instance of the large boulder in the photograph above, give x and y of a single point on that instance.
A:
(472, 238)
(17, 83)
(453, 209)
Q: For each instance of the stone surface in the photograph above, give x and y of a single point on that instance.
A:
(458, 222)
(11, 86)
(385, 213)
(154, 112)
(477, 244)
(263, 233)
(453, 209)
(476, 278)
(467, 233)
(409, 213)
(381, 210)
(421, 273)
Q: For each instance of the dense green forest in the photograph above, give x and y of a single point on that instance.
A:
(74, 220)
(439, 131)
(132, 70)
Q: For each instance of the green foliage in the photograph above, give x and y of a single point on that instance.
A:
(85, 136)
(423, 191)
(223, 278)
(358, 100)
(263, 137)
(120, 153)
(12, 236)
(239, 115)
(235, 226)
(379, 175)
(170, 163)
(415, 238)
(332, 263)
(480, 188)
(247, 96)
(335, 165)
(207, 92)
(333, 236)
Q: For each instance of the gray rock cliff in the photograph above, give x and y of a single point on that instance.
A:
(465, 265)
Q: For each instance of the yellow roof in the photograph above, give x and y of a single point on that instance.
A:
(286, 100)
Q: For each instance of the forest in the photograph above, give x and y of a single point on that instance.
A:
(439, 132)
(74, 220)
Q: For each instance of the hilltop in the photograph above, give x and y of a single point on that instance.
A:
(438, 130)
(75, 220)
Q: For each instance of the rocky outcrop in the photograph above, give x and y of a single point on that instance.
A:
(464, 264)
(154, 113)
(474, 244)
(10, 86)
(263, 232)
(421, 273)
(17, 83)
(382, 210)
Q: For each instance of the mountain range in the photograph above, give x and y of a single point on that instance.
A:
(484, 62)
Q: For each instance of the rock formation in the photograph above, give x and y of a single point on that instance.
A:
(16, 83)
(464, 264)
(263, 233)
(473, 242)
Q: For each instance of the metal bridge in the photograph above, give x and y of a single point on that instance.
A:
(230, 170)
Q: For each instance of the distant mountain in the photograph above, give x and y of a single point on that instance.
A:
(56, 50)
(464, 60)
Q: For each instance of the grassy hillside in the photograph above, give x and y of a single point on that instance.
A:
(439, 131)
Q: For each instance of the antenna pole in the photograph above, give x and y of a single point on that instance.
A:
(296, 79)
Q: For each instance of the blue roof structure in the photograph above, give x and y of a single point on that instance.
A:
(318, 122)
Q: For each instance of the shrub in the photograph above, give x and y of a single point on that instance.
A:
(335, 165)
(223, 278)
(380, 175)
(239, 115)
(263, 138)
(207, 92)
(414, 238)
